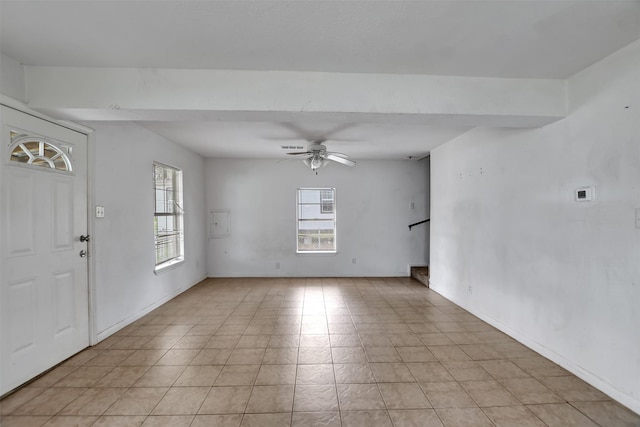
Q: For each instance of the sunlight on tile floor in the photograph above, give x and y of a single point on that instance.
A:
(310, 352)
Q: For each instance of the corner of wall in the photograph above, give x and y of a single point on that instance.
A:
(12, 78)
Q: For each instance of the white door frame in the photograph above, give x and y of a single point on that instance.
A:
(20, 106)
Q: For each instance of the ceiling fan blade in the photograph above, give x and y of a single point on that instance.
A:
(301, 153)
(288, 159)
(314, 136)
(298, 131)
(340, 160)
(337, 154)
(285, 138)
(338, 129)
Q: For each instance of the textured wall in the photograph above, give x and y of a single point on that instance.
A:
(373, 211)
(510, 243)
(126, 286)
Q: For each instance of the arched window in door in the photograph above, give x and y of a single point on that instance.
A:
(34, 151)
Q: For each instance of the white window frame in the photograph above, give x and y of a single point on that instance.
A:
(175, 193)
(322, 216)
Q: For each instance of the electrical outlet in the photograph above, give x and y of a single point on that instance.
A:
(277, 266)
(99, 211)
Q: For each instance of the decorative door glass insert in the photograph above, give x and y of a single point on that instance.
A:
(34, 151)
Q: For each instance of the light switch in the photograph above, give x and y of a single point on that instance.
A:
(99, 211)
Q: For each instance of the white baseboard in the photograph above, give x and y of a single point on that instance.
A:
(594, 380)
(102, 335)
(285, 276)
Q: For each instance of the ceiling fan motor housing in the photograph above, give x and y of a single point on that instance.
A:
(317, 148)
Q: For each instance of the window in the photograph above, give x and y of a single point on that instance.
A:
(168, 221)
(316, 220)
(326, 201)
(34, 151)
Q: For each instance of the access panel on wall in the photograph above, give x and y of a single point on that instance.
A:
(220, 223)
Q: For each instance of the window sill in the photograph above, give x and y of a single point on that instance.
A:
(169, 265)
(316, 252)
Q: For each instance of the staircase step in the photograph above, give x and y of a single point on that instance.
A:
(421, 274)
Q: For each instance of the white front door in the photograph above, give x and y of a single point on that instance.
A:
(43, 274)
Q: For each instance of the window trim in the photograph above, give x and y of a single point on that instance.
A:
(178, 215)
(335, 222)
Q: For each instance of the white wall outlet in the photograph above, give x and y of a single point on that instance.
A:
(99, 211)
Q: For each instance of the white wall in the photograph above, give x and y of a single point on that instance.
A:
(509, 243)
(126, 286)
(427, 226)
(373, 211)
(12, 78)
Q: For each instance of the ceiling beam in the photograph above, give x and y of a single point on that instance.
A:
(199, 95)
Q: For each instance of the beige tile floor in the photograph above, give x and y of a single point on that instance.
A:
(310, 352)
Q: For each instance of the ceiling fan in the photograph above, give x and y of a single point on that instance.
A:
(317, 156)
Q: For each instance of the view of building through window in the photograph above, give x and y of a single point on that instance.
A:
(168, 216)
(316, 220)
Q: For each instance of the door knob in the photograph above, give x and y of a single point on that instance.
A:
(83, 253)
(84, 238)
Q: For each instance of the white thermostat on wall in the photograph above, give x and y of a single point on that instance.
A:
(585, 194)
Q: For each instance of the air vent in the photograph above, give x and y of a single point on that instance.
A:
(292, 147)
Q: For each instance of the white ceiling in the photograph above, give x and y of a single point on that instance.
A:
(358, 140)
(504, 39)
